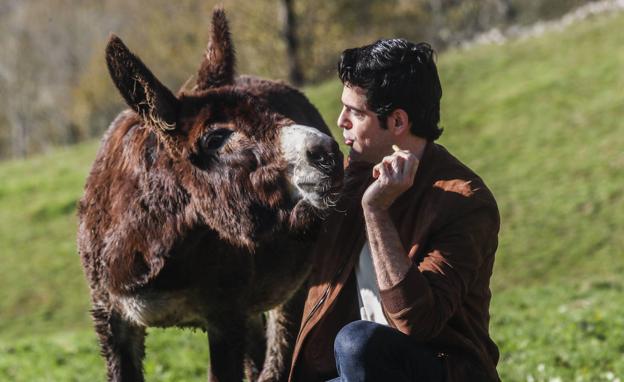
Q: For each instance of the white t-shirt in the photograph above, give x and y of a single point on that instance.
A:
(368, 290)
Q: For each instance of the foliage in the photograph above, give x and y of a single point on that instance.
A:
(539, 119)
(55, 85)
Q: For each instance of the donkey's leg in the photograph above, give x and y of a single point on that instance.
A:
(255, 347)
(282, 327)
(122, 344)
(227, 349)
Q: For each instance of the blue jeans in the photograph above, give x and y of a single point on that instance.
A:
(367, 351)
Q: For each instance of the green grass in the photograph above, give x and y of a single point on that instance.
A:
(41, 282)
(173, 355)
(573, 332)
(539, 119)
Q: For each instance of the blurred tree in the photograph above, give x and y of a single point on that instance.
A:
(43, 56)
(289, 33)
(56, 88)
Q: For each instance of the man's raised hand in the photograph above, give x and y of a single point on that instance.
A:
(394, 175)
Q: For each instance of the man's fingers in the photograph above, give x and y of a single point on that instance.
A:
(408, 163)
(399, 165)
(398, 150)
(376, 170)
(403, 154)
(395, 164)
(387, 168)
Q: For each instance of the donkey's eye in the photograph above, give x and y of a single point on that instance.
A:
(214, 140)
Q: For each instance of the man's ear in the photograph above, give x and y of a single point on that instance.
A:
(398, 122)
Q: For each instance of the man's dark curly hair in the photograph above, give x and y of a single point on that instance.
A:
(397, 74)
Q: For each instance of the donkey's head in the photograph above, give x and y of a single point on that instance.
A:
(249, 170)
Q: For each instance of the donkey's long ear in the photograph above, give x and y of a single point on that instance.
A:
(142, 91)
(217, 68)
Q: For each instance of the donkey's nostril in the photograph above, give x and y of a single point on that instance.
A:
(319, 155)
(314, 156)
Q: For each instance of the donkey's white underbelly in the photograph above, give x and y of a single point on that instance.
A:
(162, 309)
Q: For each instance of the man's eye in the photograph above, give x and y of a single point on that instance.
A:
(213, 141)
(353, 112)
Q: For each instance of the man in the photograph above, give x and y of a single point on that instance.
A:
(401, 288)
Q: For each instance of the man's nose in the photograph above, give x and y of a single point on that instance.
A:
(342, 122)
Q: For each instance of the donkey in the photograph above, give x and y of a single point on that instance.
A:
(200, 211)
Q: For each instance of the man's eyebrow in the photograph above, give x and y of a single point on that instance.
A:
(354, 108)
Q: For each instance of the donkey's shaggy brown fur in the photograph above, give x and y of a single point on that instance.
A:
(191, 216)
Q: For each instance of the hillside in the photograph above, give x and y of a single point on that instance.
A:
(54, 82)
(539, 119)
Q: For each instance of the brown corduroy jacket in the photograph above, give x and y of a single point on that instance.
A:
(448, 222)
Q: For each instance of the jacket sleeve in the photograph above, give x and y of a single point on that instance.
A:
(421, 304)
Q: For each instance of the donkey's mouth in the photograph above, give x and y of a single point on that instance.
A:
(320, 187)
(322, 193)
(309, 187)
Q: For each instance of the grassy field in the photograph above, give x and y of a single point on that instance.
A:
(539, 119)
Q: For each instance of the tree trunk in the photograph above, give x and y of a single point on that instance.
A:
(289, 33)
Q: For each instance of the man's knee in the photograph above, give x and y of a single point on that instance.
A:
(354, 340)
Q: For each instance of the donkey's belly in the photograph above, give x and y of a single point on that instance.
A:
(163, 309)
(273, 289)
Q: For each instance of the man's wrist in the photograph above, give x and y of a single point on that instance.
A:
(376, 216)
(373, 209)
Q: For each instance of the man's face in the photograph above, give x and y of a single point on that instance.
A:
(362, 131)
